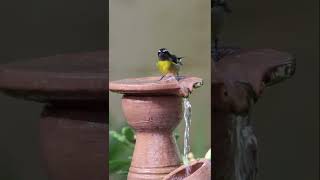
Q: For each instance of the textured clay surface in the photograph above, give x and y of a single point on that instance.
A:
(199, 170)
(152, 86)
(153, 108)
(76, 76)
(238, 80)
(153, 118)
(74, 143)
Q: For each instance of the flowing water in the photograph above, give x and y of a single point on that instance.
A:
(186, 142)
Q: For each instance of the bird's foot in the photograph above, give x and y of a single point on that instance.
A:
(178, 78)
(170, 77)
(162, 77)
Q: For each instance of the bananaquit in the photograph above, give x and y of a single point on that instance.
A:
(168, 63)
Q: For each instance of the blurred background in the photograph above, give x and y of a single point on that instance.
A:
(37, 28)
(138, 29)
(287, 116)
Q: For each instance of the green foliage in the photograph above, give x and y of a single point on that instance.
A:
(121, 147)
(208, 155)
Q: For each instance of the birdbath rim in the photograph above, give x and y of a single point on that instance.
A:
(81, 76)
(258, 67)
(154, 86)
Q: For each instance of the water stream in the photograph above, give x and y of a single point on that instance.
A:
(186, 141)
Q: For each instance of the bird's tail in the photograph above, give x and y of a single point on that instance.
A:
(179, 60)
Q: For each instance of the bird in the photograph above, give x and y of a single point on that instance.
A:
(168, 63)
(218, 10)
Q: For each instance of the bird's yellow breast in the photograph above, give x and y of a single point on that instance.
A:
(165, 67)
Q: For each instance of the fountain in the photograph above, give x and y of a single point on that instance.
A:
(239, 77)
(186, 141)
(238, 80)
(154, 109)
(73, 124)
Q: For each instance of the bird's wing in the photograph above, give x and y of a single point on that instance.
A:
(175, 59)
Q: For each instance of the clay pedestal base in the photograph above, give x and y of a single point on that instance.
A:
(74, 142)
(153, 118)
(73, 124)
(153, 108)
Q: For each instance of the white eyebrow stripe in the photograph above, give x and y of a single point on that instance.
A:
(163, 50)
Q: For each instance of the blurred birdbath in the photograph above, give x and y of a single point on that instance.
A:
(73, 124)
(153, 108)
(238, 80)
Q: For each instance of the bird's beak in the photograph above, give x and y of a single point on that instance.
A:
(160, 54)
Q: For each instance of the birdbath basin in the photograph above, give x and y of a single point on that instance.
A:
(153, 108)
(199, 169)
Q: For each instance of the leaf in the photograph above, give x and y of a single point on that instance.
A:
(208, 154)
(121, 138)
(117, 136)
(121, 172)
(176, 136)
(120, 150)
(119, 166)
(128, 133)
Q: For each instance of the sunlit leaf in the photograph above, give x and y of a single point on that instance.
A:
(208, 154)
(128, 133)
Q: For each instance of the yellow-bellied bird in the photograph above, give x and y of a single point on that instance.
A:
(168, 63)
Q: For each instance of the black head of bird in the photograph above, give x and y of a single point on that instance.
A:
(164, 54)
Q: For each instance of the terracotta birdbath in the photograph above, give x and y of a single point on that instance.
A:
(238, 81)
(153, 108)
(198, 169)
(73, 125)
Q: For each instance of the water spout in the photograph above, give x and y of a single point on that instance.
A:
(186, 142)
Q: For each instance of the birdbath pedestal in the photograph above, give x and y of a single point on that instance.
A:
(153, 108)
(73, 124)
